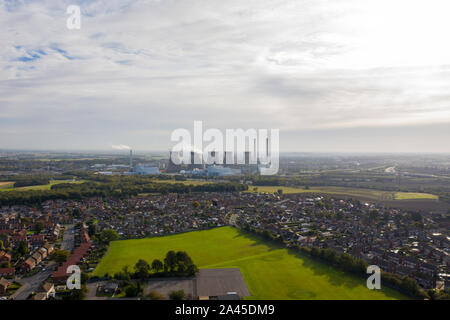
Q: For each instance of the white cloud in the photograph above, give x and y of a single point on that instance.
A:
(139, 69)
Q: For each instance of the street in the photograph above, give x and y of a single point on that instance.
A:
(31, 284)
(68, 238)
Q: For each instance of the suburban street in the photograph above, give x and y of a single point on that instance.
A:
(68, 241)
(32, 283)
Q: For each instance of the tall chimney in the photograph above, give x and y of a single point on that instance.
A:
(131, 160)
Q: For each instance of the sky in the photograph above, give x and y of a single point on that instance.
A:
(331, 75)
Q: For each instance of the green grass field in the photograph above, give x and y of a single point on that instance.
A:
(270, 271)
(39, 187)
(376, 195)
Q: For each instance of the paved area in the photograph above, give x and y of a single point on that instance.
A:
(166, 285)
(217, 282)
(209, 282)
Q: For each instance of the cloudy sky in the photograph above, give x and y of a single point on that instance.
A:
(332, 75)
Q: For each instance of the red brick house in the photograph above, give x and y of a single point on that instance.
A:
(5, 257)
(7, 272)
(37, 240)
(28, 265)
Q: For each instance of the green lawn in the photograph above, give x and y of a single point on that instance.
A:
(40, 187)
(270, 271)
(376, 195)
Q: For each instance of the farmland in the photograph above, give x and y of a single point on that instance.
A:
(9, 186)
(6, 185)
(369, 194)
(270, 271)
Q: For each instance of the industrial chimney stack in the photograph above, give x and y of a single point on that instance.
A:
(131, 160)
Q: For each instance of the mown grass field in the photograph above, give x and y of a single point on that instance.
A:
(39, 187)
(270, 271)
(377, 195)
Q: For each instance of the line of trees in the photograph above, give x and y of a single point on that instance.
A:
(119, 189)
(175, 264)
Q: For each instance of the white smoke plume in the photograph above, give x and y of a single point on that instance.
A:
(120, 147)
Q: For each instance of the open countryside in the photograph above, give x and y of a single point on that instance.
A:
(9, 185)
(270, 271)
(369, 194)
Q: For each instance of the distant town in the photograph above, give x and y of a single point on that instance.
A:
(68, 214)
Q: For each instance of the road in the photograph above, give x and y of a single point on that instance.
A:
(32, 283)
(68, 240)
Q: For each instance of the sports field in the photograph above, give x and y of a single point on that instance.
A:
(370, 194)
(270, 271)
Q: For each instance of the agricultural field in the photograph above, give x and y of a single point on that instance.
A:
(6, 185)
(414, 195)
(270, 270)
(39, 187)
(370, 194)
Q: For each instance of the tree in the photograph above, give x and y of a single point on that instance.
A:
(157, 265)
(142, 269)
(154, 295)
(177, 295)
(191, 270)
(170, 262)
(132, 290)
(22, 249)
(38, 227)
(2, 247)
(60, 255)
(108, 235)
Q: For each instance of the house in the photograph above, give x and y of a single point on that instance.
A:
(49, 249)
(40, 296)
(4, 284)
(7, 272)
(49, 290)
(5, 257)
(37, 240)
(28, 265)
(37, 257)
(43, 252)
